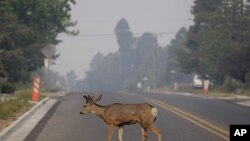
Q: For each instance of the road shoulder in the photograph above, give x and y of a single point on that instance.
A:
(237, 99)
(19, 129)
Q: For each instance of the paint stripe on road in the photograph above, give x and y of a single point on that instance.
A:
(193, 119)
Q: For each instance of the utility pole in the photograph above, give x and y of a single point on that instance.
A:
(155, 64)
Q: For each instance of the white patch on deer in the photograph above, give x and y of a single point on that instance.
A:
(154, 112)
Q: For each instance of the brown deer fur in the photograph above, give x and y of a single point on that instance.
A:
(118, 115)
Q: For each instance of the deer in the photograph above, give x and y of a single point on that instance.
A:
(118, 115)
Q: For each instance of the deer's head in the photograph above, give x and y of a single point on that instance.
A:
(89, 105)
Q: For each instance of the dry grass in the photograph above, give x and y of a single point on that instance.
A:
(11, 110)
(6, 122)
(16, 107)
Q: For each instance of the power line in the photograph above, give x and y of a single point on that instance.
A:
(113, 34)
(140, 21)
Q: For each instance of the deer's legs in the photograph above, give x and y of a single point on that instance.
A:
(120, 131)
(110, 132)
(156, 131)
(144, 133)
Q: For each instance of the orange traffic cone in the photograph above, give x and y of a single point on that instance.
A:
(36, 86)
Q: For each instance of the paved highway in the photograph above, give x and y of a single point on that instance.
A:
(180, 118)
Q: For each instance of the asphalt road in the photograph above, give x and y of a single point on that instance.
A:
(180, 118)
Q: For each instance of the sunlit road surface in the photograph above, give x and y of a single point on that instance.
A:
(180, 118)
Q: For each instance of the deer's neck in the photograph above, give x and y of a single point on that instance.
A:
(99, 110)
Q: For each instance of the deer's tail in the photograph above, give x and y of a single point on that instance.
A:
(154, 113)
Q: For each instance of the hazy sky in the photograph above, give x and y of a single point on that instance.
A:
(96, 17)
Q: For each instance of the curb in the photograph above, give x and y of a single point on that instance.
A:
(244, 103)
(10, 129)
(242, 100)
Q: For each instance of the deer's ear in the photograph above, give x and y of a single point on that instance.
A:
(89, 98)
(98, 98)
(86, 98)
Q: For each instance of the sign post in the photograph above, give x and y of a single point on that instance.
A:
(48, 52)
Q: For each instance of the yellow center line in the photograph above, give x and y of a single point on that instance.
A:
(195, 120)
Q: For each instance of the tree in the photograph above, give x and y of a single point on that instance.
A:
(201, 11)
(96, 61)
(146, 51)
(224, 41)
(124, 37)
(233, 19)
(172, 70)
(104, 73)
(218, 37)
(71, 78)
(10, 29)
(125, 41)
(27, 26)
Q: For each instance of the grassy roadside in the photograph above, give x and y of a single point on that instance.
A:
(16, 107)
(9, 108)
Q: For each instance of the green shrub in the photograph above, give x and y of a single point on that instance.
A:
(231, 85)
(8, 88)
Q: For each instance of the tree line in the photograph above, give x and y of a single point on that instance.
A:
(26, 26)
(218, 44)
(216, 47)
(140, 62)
